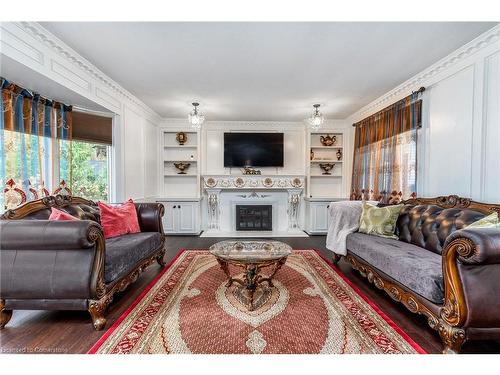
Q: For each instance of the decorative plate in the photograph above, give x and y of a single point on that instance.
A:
(210, 182)
(297, 182)
(239, 182)
(268, 182)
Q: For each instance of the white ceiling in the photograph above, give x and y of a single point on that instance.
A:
(263, 71)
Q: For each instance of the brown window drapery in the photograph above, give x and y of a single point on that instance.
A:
(385, 149)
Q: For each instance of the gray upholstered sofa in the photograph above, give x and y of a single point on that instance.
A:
(438, 267)
(69, 265)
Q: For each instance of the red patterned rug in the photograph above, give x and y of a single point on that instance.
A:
(312, 308)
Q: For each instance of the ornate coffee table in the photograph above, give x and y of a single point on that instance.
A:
(252, 256)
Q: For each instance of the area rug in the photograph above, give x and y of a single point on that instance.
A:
(312, 308)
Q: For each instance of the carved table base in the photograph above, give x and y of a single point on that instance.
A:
(252, 278)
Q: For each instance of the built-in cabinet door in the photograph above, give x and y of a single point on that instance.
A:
(319, 217)
(181, 217)
(186, 217)
(319, 214)
(169, 217)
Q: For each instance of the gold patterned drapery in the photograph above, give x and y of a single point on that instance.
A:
(35, 145)
(385, 152)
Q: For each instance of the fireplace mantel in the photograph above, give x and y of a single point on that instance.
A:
(254, 182)
(279, 190)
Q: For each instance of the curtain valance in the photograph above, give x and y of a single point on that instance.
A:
(400, 117)
(28, 112)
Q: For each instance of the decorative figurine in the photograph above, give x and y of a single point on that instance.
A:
(339, 154)
(312, 155)
(250, 171)
(328, 140)
(327, 167)
(181, 138)
(182, 167)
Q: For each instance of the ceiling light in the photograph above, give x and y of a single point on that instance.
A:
(195, 117)
(316, 119)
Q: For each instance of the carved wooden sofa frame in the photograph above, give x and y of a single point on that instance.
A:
(101, 294)
(450, 318)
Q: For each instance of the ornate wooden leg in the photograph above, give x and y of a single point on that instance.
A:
(276, 268)
(97, 308)
(225, 268)
(336, 258)
(160, 259)
(452, 337)
(5, 315)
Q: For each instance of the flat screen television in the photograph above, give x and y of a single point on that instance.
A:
(253, 150)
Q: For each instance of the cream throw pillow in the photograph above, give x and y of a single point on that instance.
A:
(490, 221)
(379, 221)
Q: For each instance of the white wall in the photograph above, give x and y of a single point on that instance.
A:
(459, 143)
(135, 139)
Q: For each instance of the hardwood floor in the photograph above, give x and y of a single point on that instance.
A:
(72, 332)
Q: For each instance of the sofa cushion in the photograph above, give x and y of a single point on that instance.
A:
(123, 252)
(379, 221)
(416, 268)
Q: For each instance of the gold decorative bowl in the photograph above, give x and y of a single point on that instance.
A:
(182, 167)
(326, 167)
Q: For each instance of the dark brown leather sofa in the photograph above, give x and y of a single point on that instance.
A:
(438, 268)
(69, 265)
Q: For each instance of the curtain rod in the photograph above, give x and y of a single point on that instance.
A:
(419, 91)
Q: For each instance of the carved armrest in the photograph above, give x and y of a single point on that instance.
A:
(149, 215)
(51, 259)
(475, 245)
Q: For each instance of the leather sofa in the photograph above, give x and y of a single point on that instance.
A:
(69, 265)
(438, 267)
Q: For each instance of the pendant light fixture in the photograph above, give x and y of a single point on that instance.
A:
(316, 119)
(195, 117)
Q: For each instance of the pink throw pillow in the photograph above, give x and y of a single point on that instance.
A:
(118, 220)
(56, 214)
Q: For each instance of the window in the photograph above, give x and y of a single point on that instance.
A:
(89, 164)
(385, 150)
(47, 148)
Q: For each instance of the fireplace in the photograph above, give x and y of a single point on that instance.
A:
(254, 217)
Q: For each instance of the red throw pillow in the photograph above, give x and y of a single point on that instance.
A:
(56, 214)
(118, 220)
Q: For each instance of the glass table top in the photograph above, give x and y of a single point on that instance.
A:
(250, 250)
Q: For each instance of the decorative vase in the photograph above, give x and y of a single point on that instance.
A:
(339, 154)
(312, 155)
(181, 138)
(182, 167)
(328, 140)
(327, 167)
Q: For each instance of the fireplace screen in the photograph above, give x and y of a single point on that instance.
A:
(254, 217)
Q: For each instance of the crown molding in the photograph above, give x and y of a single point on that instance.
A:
(482, 41)
(62, 49)
(271, 125)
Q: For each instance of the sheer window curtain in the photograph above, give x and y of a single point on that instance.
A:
(30, 129)
(385, 153)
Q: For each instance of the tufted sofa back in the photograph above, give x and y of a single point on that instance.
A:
(428, 225)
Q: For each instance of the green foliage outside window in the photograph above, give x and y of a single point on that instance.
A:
(89, 170)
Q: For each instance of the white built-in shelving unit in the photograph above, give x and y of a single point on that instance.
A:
(180, 193)
(320, 184)
(322, 189)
